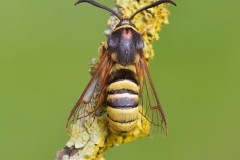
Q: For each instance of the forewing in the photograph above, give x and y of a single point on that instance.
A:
(91, 98)
(149, 101)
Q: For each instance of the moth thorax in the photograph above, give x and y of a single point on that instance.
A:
(125, 45)
(115, 58)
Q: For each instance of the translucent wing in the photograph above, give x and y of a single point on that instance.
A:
(93, 95)
(149, 101)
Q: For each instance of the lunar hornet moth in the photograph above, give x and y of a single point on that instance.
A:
(121, 86)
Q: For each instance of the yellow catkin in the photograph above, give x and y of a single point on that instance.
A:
(90, 140)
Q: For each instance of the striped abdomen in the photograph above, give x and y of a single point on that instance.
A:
(122, 99)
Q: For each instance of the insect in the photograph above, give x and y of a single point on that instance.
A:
(121, 84)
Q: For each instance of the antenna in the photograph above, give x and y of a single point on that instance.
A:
(152, 5)
(99, 6)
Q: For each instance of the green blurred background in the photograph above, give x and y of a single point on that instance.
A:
(45, 48)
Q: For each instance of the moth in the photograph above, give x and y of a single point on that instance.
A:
(121, 85)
